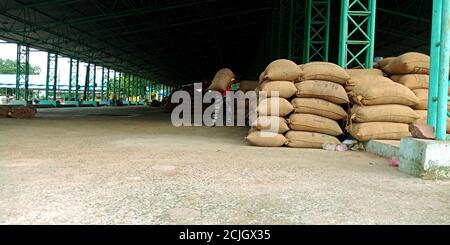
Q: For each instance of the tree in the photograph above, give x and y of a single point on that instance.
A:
(8, 66)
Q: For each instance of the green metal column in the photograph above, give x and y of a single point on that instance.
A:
(317, 30)
(93, 80)
(73, 79)
(108, 86)
(52, 76)
(102, 86)
(90, 80)
(115, 84)
(357, 20)
(129, 87)
(434, 66)
(119, 95)
(443, 84)
(22, 72)
(287, 19)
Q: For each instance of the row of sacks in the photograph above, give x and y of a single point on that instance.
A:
(379, 108)
(19, 112)
(308, 109)
(412, 70)
(389, 99)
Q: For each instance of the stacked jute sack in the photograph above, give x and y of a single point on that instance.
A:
(309, 105)
(412, 70)
(318, 106)
(382, 108)
(4, 111)
(19, 112)
(276, 87)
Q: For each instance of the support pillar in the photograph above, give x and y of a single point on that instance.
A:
(115, 85)
(22, 73)
(434, 66)
(443, 83)
(357, 20)
(317, 30)
(119, 87)
(73, 79)
(129, 87)
(52, 77)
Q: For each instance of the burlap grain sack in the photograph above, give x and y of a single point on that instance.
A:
(246, 86)
(424, 117)
(364, 72)
(23, 112)
(362, 79)
(409, 63)
(318, 107)
(384, 62)
(282, 89)
(4, 111)
(282, 70)
(413, 81)
(222, 80)
(329, 91)
(274, 107)
(266, 139)
(271, 124)
(422, 94)
(383, 94)
(324, 71)
(383, 113)
(314, 123)
(298, 139)
(378, 131)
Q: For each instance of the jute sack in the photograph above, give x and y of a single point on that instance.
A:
(269, 107)
(409, 63)
(383, 94)
(271, 124)
(222, 80)
(413, 81)
(324, 71)
(383, 113)
(282, 70)
(378, 131)
(424, 117)
(323, 90)
(246, 86)
(266, 139)
(22, 112)
(282, 89)
(4, 111)
(261, 77)
(384, 62)
(314, 123)
(298, 139)
(362, 79)
(364, 72)
(318, 107)
(422, 94)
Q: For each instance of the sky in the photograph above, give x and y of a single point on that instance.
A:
(39, 58)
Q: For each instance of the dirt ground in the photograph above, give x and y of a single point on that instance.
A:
(130, 166)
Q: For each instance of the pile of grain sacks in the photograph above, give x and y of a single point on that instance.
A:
(307, 109)
(276, 86)
(381, 108)
(4, 111)
(18, 112)
(412, 70)
(318, 108)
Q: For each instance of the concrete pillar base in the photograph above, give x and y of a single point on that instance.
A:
(426, 159)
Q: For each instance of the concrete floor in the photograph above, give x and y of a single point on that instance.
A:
(69, 166)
